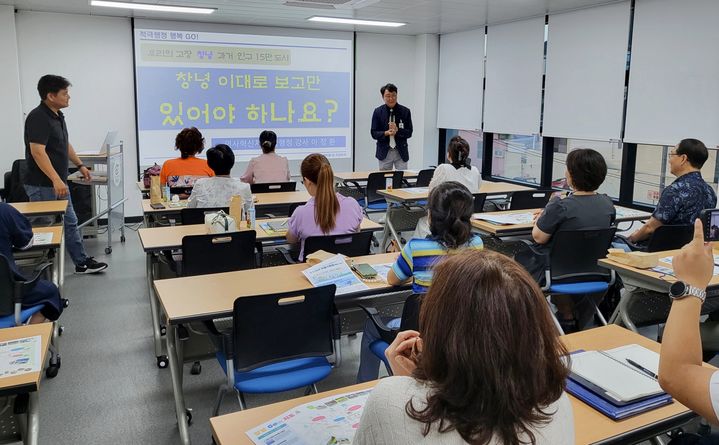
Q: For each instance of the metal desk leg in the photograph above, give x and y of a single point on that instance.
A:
(33, 419)
(61, 282)
(176, 372)
(154, 308)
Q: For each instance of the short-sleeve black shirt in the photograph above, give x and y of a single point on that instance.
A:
(44, 127)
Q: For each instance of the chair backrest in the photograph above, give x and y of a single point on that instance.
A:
(196, 215)
(14, 187)
(181, 190)
(574, 255)
(222, 252)
(424, 177)
(410, 313)
(293, 207)
(529, 199)
(670, 237)
(378, 181)
(272, 328)
(7, 287)
(270, 187)
(350, 244)
(479, 200)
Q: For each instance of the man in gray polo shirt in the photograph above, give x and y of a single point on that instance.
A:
(47, 151)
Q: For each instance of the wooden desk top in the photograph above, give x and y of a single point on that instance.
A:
(624, 214)
(491, 188)
(31, 381)
(57, 234)
(170, 237)
(363, 175)
(38, 208)
(261, 199)
(590, 426)
(210, 296)
(502, 229)
(659, 279)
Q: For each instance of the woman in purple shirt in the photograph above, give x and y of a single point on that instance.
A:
(326, 212)
(269, 166)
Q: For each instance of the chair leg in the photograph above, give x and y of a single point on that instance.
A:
(241, 400)
(554, 319)
(218, 401)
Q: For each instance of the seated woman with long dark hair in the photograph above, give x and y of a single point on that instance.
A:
(450, 207)
(486, 369)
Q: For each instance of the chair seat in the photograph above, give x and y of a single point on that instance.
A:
(589, 287)
(282, 376)
(8, 321)
(377, 205)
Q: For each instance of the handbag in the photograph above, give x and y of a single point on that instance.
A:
(148, 173)
(220, 222)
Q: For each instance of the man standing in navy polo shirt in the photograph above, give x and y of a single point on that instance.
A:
(391, 127)
(48, 151)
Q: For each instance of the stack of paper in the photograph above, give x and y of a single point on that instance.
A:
(506, 218)
(20, 356)
(41, 238)
(335, 271)
(332, 420)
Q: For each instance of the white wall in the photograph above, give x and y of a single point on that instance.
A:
(95, 54)
(401, 60)
(11, 119)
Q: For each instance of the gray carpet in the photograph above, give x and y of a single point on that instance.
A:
(109, 389)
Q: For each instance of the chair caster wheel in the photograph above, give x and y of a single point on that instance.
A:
(163, 330)
(108, 250)
(162, 362)
(51, 371)
(188, 414)
(196, 368)
(65, 303)
(60, 330)
(122, 238)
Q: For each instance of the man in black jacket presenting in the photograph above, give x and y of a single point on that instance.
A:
(391, 127)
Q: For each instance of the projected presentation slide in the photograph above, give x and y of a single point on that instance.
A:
(234, 86)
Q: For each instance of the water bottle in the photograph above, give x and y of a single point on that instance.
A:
(166, 193)
(251, 217)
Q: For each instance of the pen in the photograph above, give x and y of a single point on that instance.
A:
(642, 368)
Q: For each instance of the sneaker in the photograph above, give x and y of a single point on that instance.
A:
(90, 266)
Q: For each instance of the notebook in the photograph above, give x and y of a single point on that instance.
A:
(275, 226)
(611, 376)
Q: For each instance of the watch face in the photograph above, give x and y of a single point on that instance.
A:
(677, 289)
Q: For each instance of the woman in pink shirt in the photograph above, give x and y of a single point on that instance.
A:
(269, 166)
(326, 212)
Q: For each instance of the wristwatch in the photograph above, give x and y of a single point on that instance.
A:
(680, 290)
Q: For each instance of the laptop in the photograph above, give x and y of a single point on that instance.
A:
(110, 140)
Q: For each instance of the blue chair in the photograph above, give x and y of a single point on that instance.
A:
(264, 353)
(373, 201)
(11, 294)
(410, 320)
(424, 177)
(12, 314)
(573, 267)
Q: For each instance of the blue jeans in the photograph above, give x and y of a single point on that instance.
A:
(369, 363)
(73, 239)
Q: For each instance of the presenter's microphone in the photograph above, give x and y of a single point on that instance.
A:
(391, 114)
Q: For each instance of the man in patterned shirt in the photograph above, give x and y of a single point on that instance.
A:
(689, 194)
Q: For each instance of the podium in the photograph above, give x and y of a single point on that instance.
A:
(108, 173)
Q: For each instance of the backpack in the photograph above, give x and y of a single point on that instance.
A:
(149, 172)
